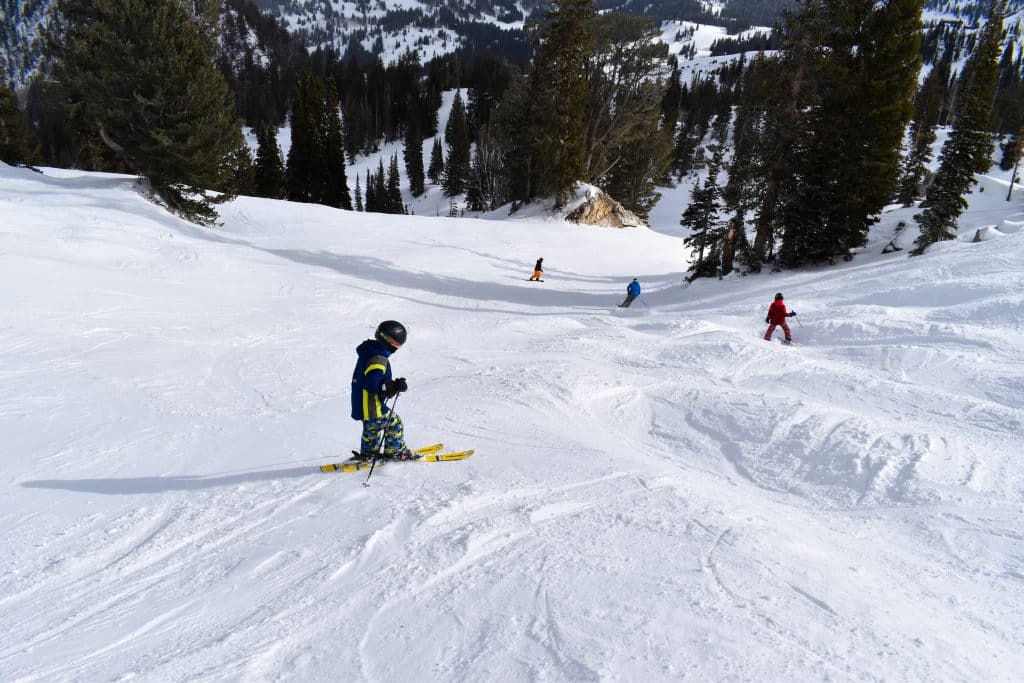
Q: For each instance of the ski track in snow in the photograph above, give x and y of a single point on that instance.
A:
(657, 493)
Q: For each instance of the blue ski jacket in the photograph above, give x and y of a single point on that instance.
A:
(633, 289)
(371, 369)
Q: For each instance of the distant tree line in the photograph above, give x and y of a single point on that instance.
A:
(797, 153)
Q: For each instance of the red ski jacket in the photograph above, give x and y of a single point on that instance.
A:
(777, 312)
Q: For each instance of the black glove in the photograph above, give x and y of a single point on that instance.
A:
(792, 314)
(768, 319)
(389, 387)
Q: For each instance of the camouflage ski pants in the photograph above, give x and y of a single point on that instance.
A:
(394, 435)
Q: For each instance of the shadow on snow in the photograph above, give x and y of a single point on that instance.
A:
(137, 485)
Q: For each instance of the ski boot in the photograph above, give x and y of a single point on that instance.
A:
(404, 454)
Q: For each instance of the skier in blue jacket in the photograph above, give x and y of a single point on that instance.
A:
(632, 292)
(372, 386)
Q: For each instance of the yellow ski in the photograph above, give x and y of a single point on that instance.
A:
(351, 466)
(430, 456)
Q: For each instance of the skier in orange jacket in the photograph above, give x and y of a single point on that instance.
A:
(538, 270)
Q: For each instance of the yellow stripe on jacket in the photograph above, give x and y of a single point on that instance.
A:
(372, 410)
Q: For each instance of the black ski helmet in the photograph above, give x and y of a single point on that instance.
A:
(391, 334)
(778, 296)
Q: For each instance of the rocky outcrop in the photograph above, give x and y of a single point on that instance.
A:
(597, 208)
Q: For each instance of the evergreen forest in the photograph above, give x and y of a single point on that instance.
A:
(793, 147)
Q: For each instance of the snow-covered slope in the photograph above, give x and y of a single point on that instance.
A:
(657, 494)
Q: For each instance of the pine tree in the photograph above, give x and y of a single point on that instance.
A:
(141, 77)
(335, 183)
(307, 156)
(1008, 107)
(435, 170)
(968, 150)
(1011, 150)
(380, 190)
(915, 167)
(642, 158)
(513, 131)
(14, 132)
(394, 188)
(371, 193)
(740, 194)
(487, 188)
(359, 196)
(627, 147)
(782, 131)
(244, 182)
(927, 110)
(269, 168)
(413, 154)
(672, 102)
(456, 165)
(559, 88)
(845, 164)
(887, 51)
(701, 218)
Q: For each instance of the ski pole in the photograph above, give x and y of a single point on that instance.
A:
(383, 439)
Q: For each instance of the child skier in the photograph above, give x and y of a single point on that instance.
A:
(538, 270)
(372, 386)
(776, 317)
(632, 292)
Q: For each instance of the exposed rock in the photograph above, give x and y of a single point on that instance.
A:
(600, 209)
(985, 234)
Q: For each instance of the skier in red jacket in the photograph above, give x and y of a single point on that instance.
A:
(776, 317)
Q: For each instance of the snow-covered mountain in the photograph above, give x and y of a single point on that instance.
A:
(657, 493)
(388, 29)
(438, 27)
(21, 37)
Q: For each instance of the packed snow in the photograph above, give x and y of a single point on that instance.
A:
(657, 493)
